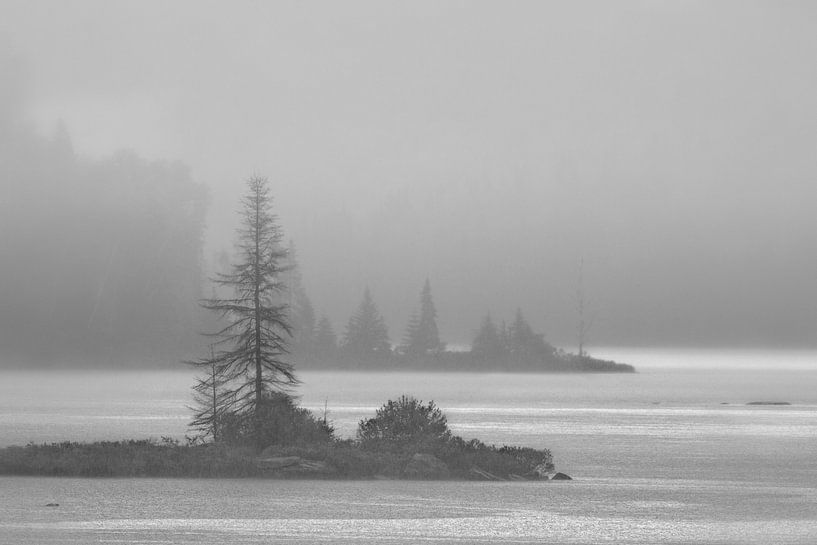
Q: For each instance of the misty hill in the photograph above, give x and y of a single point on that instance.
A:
(100, 259)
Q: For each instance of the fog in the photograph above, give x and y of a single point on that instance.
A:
(490, 147)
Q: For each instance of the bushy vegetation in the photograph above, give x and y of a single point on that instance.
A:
(143, 458)
(405, 421)
(407, 426)
(282, 423)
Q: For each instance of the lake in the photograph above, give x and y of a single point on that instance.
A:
(671, 454)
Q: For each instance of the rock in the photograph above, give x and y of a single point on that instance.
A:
(52, 504)
(482, 475)
(279, 462)
(426, 466)
(768, 403)
(313, 467)
(294, 465)
(561, 477)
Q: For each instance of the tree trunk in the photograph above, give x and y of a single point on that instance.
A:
(259, 384)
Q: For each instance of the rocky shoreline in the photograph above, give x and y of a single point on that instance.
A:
(424, 467)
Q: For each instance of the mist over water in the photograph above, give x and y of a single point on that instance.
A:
(636, 179)
(723, 359)
(489, 148)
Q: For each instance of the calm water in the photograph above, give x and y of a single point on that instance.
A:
(669, 455)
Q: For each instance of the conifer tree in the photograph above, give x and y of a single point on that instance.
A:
(525, 345)
(422, 336)
(488, 345)
(367, 336)
(250, 357)
(406, 347)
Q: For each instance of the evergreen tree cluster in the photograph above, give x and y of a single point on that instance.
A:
(511, 346)
(365, 343)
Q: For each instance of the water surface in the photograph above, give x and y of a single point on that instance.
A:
(671, 454)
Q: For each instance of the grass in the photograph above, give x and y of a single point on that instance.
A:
(350, 460)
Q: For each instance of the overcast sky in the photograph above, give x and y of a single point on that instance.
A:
(489, 146)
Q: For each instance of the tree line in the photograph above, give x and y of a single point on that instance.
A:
(365, 342)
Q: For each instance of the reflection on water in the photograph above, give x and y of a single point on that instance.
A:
(200, 511)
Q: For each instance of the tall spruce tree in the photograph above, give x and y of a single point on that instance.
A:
(422, 336)
(367, 337)
(249, 362)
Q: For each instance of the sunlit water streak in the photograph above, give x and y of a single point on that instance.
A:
(668, 455)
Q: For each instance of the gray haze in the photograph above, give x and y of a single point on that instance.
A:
(488, 146)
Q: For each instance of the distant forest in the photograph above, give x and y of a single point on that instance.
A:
(102, 265)
(101, 260)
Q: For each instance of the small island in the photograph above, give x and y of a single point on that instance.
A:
(512, 347)
(406, 439)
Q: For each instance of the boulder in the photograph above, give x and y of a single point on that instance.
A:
(482, 475)
(561, 477)
(52, 504)
(313, 467)
(426, 466)
(296, 466)
(278, 462)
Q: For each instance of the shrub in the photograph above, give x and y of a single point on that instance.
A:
(402, 422)
(283, 423)
(461, 456)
